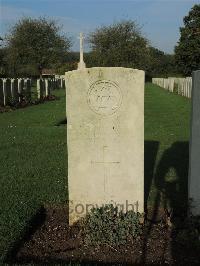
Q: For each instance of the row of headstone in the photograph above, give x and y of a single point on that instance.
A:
(182, 86)
(45, 86)
(60, 79)
(16, 90)
(13, 90)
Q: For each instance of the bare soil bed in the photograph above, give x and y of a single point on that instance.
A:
(49, 240)
(24, 104)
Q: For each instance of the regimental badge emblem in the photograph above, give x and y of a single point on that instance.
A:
(104, 97)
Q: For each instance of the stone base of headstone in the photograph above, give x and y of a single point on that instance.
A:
(81, 65)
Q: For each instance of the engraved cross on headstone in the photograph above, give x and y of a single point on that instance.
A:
(106, 165)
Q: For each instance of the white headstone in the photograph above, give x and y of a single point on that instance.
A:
(46, 87)
(171, 84)
(194, 168)
(1, 93)
(27, 87)
(40, 88)
(105, 139)
(7, 90)
(20, 88)
(14, 89)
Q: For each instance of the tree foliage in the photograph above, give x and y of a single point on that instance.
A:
(34, 44)
(187, 52)
(120, 44)
(161, 64)
(2, 61)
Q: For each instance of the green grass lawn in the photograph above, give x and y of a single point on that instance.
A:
(33, 158)
(33, 165)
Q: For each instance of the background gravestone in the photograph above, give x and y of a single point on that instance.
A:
(194, 169)
(20, 88)
(14, 89)
(47, 87)
(40, 88)
(27, 89)
(7, 91)
(1, 93)
(105, 138)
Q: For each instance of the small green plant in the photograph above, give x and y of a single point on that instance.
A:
(108, 225)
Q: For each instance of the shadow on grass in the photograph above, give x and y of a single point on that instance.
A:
(62, 122)
(32, 226)
(171, 184)
(150, 153)
(171, 179)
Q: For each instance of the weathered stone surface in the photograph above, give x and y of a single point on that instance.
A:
(105, 138)
(194, 169)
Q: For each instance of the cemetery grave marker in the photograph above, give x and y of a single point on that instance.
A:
(105, 138)
(1, 93)
(14, 89)
(194, 168)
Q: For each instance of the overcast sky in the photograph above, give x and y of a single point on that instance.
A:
(160, 19)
